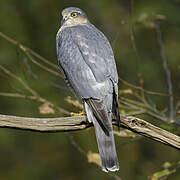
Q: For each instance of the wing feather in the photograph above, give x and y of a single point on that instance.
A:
(86, 79)
(100, 112)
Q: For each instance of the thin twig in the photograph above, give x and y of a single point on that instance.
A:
(35, 76)
(39, 99)
(33, 92)
(20, 80)
(24, 48)
(132, 33)
(41, 65)
(76, 145)
(29, 53)
(166, 70)
(116, 177)
(132, 38)
(146, 91)
(138, 106)
(17, 95)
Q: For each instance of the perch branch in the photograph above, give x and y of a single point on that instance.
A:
(79, 122)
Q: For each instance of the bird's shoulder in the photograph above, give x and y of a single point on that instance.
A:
(95, 48)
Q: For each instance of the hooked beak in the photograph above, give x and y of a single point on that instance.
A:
(63, 20)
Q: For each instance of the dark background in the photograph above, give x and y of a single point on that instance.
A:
(34, 156)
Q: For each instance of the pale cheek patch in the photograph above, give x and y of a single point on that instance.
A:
(81, 20)
(75, 21)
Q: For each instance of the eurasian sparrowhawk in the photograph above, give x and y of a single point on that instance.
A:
(87, 59)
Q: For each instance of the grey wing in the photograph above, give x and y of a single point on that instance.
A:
(87, 59)
(97, 53)
(96, 50)
(84, 79)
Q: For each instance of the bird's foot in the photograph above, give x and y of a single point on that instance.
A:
(78, 114)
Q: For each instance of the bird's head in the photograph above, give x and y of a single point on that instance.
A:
(73, 16)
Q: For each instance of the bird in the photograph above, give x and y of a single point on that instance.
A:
(86, 58)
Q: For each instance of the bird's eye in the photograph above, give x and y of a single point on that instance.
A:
(74, 14)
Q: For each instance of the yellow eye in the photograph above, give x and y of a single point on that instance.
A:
(74, 14)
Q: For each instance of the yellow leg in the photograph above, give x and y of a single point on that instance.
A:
(78, 114)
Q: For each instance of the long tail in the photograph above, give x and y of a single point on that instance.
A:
(107, 149)
(106, 144)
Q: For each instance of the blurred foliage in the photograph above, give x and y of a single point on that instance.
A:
(169, 169)
(129, 25)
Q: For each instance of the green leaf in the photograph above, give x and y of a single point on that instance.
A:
(160, 174)
(167, 165)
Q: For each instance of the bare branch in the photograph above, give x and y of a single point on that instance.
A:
(167, 71)
(41, 65)
(146, 91)
(24, 48)
(79, 122)
(35, 95)
(6, 71)
(39, 99)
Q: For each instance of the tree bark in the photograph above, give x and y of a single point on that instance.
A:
(73, 123)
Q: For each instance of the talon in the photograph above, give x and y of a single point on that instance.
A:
(78, 114)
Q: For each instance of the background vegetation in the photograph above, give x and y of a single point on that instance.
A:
(144, 36)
